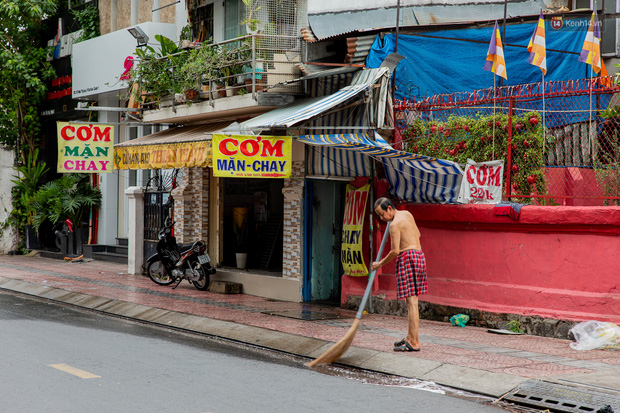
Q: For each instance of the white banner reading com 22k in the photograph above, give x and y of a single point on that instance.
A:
(482, 183)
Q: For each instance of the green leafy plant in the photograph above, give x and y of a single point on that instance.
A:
(249, 19)
(186, 34)
(199, 65)
(485, 138)
(155, 71)
(68, 197)
(607, 160)
(30, 175)
(24, 72)
(88, 21)
(515, 326)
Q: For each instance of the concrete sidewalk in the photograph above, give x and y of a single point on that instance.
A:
(537, 371)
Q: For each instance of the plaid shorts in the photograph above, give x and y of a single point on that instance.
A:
(411, 274)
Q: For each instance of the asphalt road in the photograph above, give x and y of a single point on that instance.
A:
(57, 358)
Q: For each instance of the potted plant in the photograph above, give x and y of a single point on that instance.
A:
(154, 71)
(23, 212)
(250, 20)
(240, 227)
(69, 197)
(197, 67)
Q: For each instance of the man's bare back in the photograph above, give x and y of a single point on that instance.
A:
(409, 234)
(404, 233)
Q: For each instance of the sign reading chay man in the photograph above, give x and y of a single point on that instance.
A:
(251, 156)
(482, 183)
(352, 256)
(85, 148)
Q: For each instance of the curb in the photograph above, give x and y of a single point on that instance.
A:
(462, 378)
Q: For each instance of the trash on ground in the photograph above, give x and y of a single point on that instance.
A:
(595, 335)
(459, 320)
(503, 331)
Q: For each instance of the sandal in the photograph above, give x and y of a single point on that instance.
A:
(400, 343)
(406, 347)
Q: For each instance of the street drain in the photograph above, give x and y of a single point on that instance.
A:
(560, 398)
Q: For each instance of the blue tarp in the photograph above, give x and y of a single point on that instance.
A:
(452, 60)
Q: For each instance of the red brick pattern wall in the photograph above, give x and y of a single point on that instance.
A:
(191, 205)
(293, 219)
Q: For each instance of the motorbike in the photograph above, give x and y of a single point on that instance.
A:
(173, 263)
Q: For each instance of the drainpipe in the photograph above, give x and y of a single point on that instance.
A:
(134, 12)
(113, 15)
(156, 8)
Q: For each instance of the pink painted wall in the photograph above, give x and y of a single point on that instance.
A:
(577, 182)
(555, 262)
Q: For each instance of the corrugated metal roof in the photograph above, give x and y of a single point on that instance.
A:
(358, 48)
(305, 109)
(180, 134)
(422, 13)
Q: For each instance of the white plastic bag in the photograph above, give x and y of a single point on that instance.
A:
(595, 335)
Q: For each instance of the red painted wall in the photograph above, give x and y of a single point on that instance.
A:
(556, 262)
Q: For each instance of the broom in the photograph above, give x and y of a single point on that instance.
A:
(338, 349)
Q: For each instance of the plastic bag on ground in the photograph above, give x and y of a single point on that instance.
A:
(595, 335)
(459, 320)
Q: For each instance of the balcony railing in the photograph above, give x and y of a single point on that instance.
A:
(249, 64)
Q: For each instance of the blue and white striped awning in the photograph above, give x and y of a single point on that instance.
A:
(305, 109)
(414, 178)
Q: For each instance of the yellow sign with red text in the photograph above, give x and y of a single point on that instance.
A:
(171, 155)
(85, 148)
(251, 156)
(351, 255)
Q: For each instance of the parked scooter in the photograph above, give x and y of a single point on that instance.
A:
(171, 264)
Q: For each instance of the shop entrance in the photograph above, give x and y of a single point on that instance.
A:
(326, 207)
(253, 223)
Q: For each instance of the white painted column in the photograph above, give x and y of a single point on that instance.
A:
(134, 12)
(108, 213)
(113, 15)
(156, 6)
(135, 258)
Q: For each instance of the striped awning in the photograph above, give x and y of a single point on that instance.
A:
(178, 147)
(305, 109)
(412, 177)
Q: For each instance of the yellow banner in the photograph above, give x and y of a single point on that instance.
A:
(85, 148)
(351, 254)
(251, 156)
(171, 155)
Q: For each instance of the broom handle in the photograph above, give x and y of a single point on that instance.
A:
(373, 273)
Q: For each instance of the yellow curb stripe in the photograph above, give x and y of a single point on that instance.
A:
(76, 372)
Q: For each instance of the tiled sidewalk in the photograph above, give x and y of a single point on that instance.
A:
(521, 356)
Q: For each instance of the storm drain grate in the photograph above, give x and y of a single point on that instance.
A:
(560, 398)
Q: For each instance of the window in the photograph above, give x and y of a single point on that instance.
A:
(203, 23)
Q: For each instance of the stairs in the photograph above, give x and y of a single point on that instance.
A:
(114, 253)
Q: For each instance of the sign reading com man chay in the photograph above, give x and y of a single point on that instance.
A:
(251, 156)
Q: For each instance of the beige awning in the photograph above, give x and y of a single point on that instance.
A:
(178, 147)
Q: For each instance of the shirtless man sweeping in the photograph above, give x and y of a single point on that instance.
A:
(410, 266)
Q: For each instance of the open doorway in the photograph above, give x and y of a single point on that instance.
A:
(256, 205)
(325, 208)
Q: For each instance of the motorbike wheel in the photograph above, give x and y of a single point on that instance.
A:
(205, 279)
(158, 273)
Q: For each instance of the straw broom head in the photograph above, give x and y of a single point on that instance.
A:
(338, 349)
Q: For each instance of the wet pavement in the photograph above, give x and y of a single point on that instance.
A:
(469, 358)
